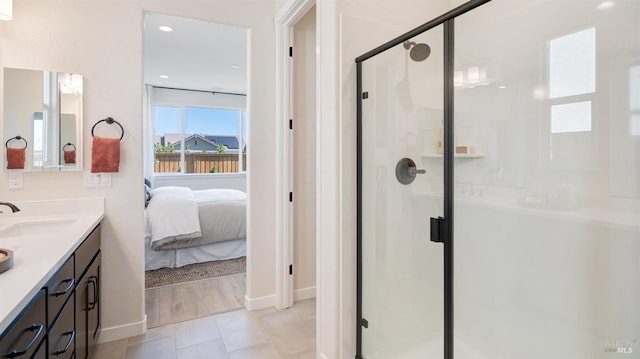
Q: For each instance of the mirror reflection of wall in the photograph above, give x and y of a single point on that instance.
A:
(23, 108)
(45, 108)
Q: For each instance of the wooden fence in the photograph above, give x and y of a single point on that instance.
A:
(199, 162)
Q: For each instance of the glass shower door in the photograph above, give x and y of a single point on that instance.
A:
(547, 175)
(401, 188)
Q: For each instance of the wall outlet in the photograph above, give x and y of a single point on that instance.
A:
(15, 180)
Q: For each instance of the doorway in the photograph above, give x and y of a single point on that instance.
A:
(304, 156)
(196, 144)
(297, 127)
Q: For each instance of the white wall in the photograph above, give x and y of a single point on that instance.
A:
(236, 181)
(103, 42)
(304, 153)
(347, 28)
(169, 97)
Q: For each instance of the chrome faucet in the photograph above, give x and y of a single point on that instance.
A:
(13, 207)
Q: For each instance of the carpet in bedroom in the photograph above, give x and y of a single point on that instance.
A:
(194, 272)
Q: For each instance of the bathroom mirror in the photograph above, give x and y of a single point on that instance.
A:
(43, 108)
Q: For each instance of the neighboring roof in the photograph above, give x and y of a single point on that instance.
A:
(231, 142)
(169, 138)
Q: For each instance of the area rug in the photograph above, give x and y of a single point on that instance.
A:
(194, 272)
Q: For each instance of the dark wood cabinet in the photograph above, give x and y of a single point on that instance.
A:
(60, 289)
(88, 261)
(62, 334)
(27, 332)
(93, 304)
(63, 319)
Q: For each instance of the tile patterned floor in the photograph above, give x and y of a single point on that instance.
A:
(262, 334)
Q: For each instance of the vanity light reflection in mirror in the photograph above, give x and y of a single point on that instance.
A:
(45, 107)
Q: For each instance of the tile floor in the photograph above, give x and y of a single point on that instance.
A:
(262, 334)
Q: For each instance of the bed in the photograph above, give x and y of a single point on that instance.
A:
(184, 226)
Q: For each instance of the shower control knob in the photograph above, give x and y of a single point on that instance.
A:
(406, 171)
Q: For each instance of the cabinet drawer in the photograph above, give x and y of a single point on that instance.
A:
(63, 334)
(87, 250)
(59, 289)
(22, 338)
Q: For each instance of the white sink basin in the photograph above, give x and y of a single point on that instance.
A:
(36, 227)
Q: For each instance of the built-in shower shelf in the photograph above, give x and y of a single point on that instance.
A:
(457, 155)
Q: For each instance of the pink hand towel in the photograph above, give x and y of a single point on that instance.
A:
(15, 158)
(69, 156)
(105, 154)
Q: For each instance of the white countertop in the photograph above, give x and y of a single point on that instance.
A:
(36, 258)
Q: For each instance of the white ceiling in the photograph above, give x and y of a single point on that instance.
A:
(196, 55)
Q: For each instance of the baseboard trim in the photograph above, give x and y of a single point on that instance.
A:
(270, 300)
(304, 293)
(123, 331)
(260, 303)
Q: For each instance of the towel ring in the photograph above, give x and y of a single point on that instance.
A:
(110, 121)
(6, 144)
(69, 144)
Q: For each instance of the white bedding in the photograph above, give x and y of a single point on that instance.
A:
(172, 216)
(222, 214)
(222, 217)
(181, 257)
(180, 218)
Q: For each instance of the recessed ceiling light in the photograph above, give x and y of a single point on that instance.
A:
(235, 66)
(165, 28)
(606, 5)
(502, 87)
(164, 76)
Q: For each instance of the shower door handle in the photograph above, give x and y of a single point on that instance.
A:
(437, 229)
(406, 171)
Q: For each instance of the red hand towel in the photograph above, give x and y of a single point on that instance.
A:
(105, 154)
(69, 156)
(15, 158)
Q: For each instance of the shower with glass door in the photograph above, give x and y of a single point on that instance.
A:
(499, 184)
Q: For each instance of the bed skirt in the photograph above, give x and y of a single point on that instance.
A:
(181, 257)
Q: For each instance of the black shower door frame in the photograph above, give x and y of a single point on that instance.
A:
(445, 223)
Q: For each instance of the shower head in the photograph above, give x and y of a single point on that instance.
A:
(418, 52)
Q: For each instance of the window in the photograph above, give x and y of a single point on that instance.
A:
(571, 117)
(572, 89)
(199, 140)
(572, 60)
(38, 139)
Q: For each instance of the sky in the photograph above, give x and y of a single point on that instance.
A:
(206, 121)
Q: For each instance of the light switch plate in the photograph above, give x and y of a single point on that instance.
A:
(97, 179)
(15, 180)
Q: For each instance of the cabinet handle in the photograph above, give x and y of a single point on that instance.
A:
(34, 327)
(93, 280)
(72, 336)
(70, 281)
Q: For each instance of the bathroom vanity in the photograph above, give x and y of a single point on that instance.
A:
(50, 302)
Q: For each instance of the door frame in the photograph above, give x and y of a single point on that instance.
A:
(285, 21)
